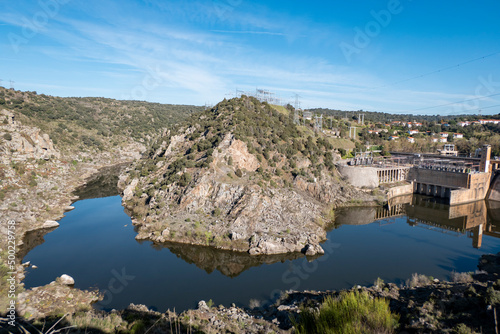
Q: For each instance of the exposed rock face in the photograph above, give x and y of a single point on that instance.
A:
(260, 222)
(129, 190)
(238, 151)
(26, 142)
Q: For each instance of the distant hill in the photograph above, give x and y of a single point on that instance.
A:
(92, 121)
(381, 117)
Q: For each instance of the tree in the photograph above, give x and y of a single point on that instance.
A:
(185, 179)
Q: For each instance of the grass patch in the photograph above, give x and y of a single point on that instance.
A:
(418, 280)
(461, 277)
(352, 312)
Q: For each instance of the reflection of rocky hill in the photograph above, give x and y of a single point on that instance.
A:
(102, 184)
(228, 263)
(31, 240)
(355, 216)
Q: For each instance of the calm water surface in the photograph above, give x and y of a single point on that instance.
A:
(95, 245)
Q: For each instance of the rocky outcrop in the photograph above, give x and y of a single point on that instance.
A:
(24, 142)
(238, 152)
(54, 299)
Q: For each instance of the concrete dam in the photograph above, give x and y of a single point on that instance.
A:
(457, 180)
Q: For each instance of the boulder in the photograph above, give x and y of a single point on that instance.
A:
(165, 233)
(311, 250)
(129, 190)
(202, 306)
(50, 224)
(66, 280)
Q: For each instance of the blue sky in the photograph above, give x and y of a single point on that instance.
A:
(389, 56)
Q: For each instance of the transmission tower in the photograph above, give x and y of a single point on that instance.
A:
(12, 84)
(352, 132)
(318, 123)
(297, 101)
(296, 119)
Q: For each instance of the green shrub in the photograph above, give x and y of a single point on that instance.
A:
(7, 136)
(217, 212)
(185, 179)
(238, 173)
(353, 312)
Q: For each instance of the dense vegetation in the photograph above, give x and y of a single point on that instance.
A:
(93, 121)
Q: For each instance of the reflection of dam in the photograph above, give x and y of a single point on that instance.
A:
(473, 219)
(470, 218)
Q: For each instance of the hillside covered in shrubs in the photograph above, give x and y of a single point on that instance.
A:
(93, 122)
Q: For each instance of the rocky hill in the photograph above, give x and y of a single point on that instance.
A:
(241, 176)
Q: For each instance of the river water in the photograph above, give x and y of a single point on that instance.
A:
(95, 245)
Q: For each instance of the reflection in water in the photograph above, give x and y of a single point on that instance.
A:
(31, 240)
(102, 184)
(230, 264)
(470, 218)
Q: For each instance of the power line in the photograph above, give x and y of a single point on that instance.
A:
(496, 105)
(441, 69)
(447, 104)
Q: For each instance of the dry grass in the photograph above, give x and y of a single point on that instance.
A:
(418, 280)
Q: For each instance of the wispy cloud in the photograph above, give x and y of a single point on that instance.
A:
(249, 32)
